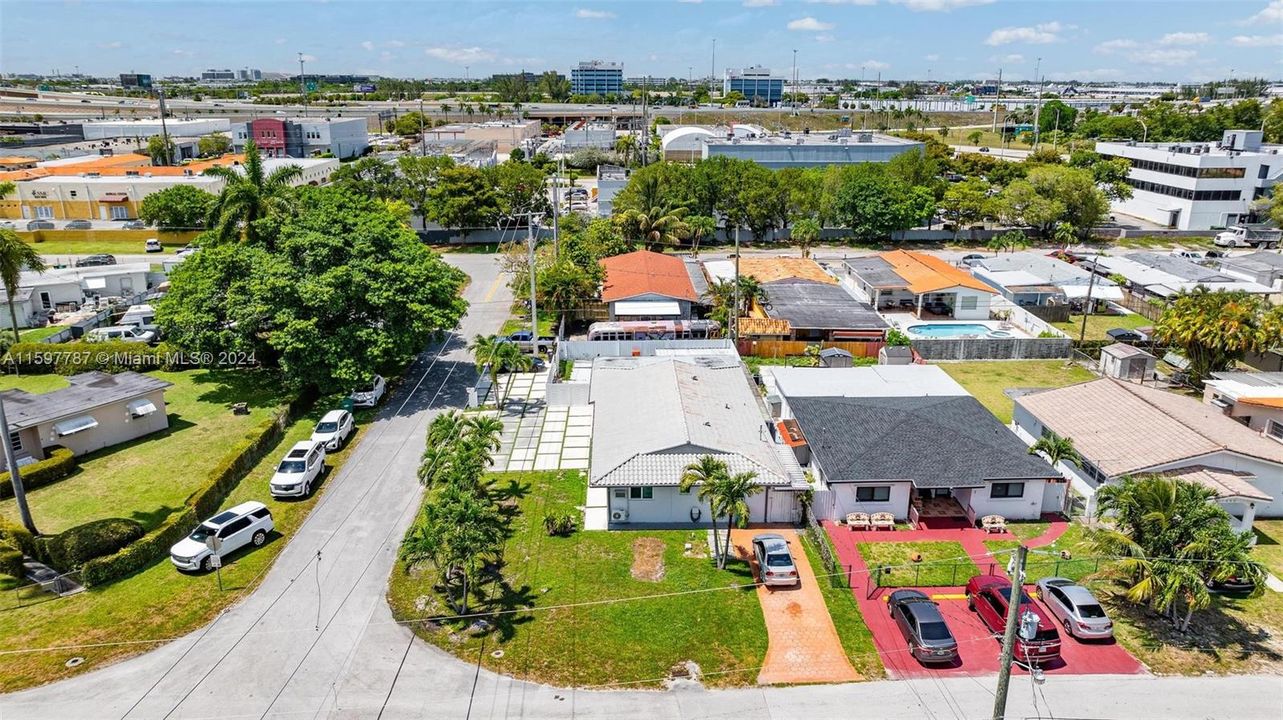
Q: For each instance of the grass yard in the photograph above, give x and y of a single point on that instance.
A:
(1269, 545)
(943, 564)
(1098, 324)
(520, 320)
(40, 333)
(1043, 561)
(987, 379)
(32, 383)
(631, 643)
(158, 602)
(131, 246)
(148, 478)
(856, 639)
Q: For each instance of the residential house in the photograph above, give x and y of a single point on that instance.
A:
(1253, 398)
(66, 289)
(1122, 429)
(1162, 276)
(1035, 279)
(909, 440)
(917, 282)
(1265, 268)
(95, 411)
(645, 285)
(654, 416)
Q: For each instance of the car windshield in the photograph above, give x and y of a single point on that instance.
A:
(367, 388)
(934, 631)
(1091, 610)
(778, 560)
(201, 532)
(291, 466)
(1006, 595)
(327, 427)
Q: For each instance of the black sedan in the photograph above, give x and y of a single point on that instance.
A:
(923, 627)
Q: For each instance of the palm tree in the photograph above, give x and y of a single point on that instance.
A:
(250, 196)
(732, 494)
(15, 257)
(701, 226)
(706, 473)
(625, 146)
(1064, 234)
(806, 231)
(512, 360)
(1057, 450)
(656, 227)
(486, 354)
(484, 430)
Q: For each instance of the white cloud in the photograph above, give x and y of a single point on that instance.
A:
(385, 56)
(1272, 13)
(1163, 57)
(1089, 75)
(113, 45)
(594, 14)
(1011, 59)
(368, 45)
(843, 2)
(875, 65)
(824, 38)
(1110, 46)
(1257, 40)
(395, 43)
(280, 41)
(691, 2)
(760, 3)
(1041, 34)
(938, 5)
(459, 56)
(181, 52)
(1184, 38)
(308, 58)
(809, 24)
(931, 58)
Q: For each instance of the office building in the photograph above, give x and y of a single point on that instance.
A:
(1197, 186)
(584, 134)
(135, 81)
(597, 77)
(505, 134)
(304, 136)
(218, 76)
(249, 75)
(144, 129)
(756, 84)
(810, 150)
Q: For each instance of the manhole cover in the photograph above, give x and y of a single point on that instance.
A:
(74, 662)
(496, 654)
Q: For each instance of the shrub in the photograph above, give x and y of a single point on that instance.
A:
(560, 524)
(896, 338)
(18, 537)
(73, 547)
(57, 466)
(82, 356)
(10, 561)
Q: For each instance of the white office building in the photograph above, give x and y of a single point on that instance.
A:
(145, 129)
(1197, 186)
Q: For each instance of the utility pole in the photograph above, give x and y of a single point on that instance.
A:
(734, 319)
(164, 131)
(556, 209)
(794, 98)
(1037, 103)
(302, 83)
(1091, 284)
(712, 70)
(1009, 634)
(423, 137)
(997, 101)
(645, 128)
(534, 311)
(15, 478)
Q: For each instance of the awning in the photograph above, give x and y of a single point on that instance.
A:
(141, 407)
(74, 425)
(114, 197)
(95, 283)
(648, 308)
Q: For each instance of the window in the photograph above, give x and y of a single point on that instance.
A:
(873, 493)
(621, 493)
(234, 527)
(641, 492)
(1007, 490)
(15, 442)
(967, 302)
(1263, 172)
(1274, 430)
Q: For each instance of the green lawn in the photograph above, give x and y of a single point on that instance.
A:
(520, 320)
(856, 638)
(34, 334)
(943, 564)
(1269, 544)
(632, 642)
(1045, 561)
(1098, 324)
(111, 247)
(158, 602)
(987, 379)
(150, 477)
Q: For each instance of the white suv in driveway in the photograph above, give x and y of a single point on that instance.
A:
(371, 393)
(245, 524)
(334, 429)
(300, 467)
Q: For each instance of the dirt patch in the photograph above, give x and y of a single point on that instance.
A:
(793, 609)
(648, 559)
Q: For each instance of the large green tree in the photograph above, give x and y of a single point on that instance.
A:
(343, 289)
(181, 207)
(213, 145)
(160, 149)
(1214, 329)
(252, 198)
(873, 204)
(463, 198)
(372, 177)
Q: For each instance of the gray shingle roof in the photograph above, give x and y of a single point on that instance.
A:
(876, 272)
(821, 306)
(86, 392)
(949, 441)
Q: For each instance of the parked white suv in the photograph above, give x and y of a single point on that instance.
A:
(371, 393)
(126, 333)
(300, 467)
(334, 429)
(245, 524)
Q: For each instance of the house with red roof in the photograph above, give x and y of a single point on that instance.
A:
(645, 285)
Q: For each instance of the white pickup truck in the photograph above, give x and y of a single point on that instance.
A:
(1236, 236)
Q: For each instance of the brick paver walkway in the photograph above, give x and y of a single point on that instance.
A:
(803, 643)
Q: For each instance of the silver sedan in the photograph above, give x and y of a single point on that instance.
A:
(1076, 608)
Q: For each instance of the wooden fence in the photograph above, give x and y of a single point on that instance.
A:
(1140, 305)
(787, 348)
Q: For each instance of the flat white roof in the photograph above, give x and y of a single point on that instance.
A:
(633, 308)
(871, 381)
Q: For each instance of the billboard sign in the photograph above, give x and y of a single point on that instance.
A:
(364, 88)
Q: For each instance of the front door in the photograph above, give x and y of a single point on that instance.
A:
(46, 301)
(102, 212)
(44, 212)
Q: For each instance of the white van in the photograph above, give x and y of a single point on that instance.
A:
(124, 333)
(139, 315)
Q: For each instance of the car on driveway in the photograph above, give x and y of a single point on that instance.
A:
(972, 259)
(79, 225)
(1079, 611)
(152, 245)
(299, 469)
(522, 338)
(369, 394)
(40, 225)
(134, 225)
(989, 596)
(922, 626)
(246, 524)
(96, 260)
(334, 429)
(774, 561)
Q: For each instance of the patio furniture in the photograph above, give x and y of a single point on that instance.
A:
(858, 520)
(993, 523)
(882, 520)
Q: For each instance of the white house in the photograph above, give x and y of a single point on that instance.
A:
(63, 289)
(920, 283)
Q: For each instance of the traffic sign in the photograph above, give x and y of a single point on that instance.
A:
(215, 561)
(311, 86)
(213, 543)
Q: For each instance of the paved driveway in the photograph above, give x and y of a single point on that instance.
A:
(803, 644)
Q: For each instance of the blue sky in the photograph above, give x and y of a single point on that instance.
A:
(1178, 40)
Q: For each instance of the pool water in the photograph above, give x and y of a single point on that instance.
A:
(953, 330)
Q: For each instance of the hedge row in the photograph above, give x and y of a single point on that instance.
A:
(57, 466)
(15, 542)
(80, 356)
(199, 505)
(11, 561)
(73, 547)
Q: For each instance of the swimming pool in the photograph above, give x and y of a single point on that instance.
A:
(954, 330)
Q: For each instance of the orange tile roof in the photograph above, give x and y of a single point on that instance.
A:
(16, 159)
(1269, 402)
(928, 273)
(761, 326)
(119, 166)
(643, 272)
(774, 269)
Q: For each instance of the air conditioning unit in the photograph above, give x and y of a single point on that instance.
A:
(619, 516)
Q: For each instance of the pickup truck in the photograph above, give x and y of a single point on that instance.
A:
(1248, 236)
(522, 338)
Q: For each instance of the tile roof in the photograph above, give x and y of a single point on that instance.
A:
(1124, 428)
(819, 306)
(775, 269)
(763, 326)
(120, 166)
(86, 392)
(935, 441)
(645, 272)
(927, 273)
(1226, 484)
(652, 416)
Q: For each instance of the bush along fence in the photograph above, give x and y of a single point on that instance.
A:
(58, 465)
(952, 573)
(839, 574)
(201, 504)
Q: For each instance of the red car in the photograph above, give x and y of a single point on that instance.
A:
(989, 595)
